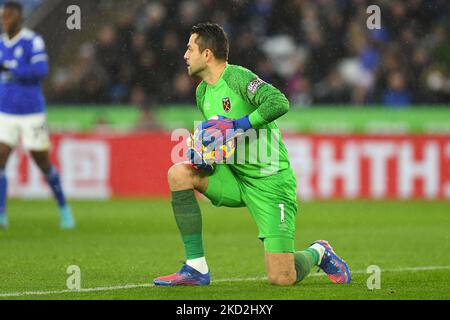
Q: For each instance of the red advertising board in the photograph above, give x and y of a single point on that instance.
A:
(98, 166)
(326, 166)
(365, 166)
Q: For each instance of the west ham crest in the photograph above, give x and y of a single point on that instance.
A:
(226, 103)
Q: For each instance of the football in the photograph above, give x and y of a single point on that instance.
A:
(211, 155)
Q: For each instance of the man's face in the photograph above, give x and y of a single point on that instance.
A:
(11, 20)
(195, 59)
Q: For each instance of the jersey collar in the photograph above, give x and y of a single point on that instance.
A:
(11, 42)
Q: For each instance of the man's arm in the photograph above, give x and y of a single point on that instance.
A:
(32, 71)
(37, 67)
(271, 103)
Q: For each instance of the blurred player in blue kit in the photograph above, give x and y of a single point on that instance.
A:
(23, 64)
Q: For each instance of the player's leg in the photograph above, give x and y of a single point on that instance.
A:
(51, 174)
(35, 138)
(285, 266)
(276, 222)
(9, 136)
(183, 180)
(320, 254)
(273, 205)
(5, 151)
(291, 268)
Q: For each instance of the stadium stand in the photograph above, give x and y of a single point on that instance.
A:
(317, 52)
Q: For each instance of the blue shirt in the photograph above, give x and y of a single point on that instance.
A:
(396, 98)
(26, 58)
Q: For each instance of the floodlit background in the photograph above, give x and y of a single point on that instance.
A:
(317, 52)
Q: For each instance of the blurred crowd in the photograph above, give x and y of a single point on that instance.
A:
(315, 51)
(28, 6)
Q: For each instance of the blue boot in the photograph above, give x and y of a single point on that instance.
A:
(3, 221)
(67, 221)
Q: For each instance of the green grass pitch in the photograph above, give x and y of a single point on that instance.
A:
(121, 245)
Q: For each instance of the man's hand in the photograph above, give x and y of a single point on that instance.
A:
(218, 131)
(195, 159)
(195, 156)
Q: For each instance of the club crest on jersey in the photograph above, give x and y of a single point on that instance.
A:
(226, 104)
(18, 52)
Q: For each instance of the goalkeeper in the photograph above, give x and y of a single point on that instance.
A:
(244, 102)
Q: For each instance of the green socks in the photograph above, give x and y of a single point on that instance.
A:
(304, 261)
(189, 221)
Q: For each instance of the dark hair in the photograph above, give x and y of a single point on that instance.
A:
(211, 36)
(13, 5)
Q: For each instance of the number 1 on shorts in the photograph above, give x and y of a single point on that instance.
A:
(281, 206)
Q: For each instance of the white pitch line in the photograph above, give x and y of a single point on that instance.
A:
(411, 269)
(148, 285)
(32, 293)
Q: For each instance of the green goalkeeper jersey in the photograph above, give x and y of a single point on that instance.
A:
(240, 92)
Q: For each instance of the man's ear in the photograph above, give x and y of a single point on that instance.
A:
(208, 55)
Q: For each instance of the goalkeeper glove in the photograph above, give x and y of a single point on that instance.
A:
(195, 156)
(218, 131)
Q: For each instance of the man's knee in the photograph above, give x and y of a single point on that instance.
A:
(283, 279)
(183, 176)
(280, 268)
(180, 176)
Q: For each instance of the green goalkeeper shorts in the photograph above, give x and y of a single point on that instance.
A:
(271, 200)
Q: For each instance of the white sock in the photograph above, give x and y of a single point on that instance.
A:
(320, 250)
(198, 264)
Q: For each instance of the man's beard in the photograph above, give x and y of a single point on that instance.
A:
(196, 72)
